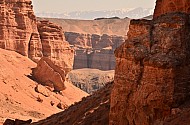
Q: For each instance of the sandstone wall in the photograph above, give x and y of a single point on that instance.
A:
(94, 51)
(54, 45)
(168, 6)
(18, 28)
(19, 32)
(152, 71)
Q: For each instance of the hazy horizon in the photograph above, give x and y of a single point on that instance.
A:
(57, 6)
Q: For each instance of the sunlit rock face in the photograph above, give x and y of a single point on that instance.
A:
(18, 28)
(20, 32)
(54, 45)
(152, 70)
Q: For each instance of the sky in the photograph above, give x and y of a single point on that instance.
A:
(58, 6)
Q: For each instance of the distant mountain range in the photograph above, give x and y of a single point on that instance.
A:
(122, 13)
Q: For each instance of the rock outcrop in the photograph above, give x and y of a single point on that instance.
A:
(94, 51)
(168, 6)
(19, 32)
(92, 110)
(153, 71)
(49, 74)
(54, 45)
(18, 28)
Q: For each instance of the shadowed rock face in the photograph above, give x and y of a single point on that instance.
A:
(152, 71)
(94, 51)
(168, 6)
(18, 28)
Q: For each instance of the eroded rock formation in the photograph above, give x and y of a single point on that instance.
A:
(19, 32)
(152, 71)
(168, 6)
(54, 45)
(49, 74)
(18, 28)
(94, 51)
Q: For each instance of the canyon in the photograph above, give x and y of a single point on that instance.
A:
(94, 41)
(152, 74)
(151, 84)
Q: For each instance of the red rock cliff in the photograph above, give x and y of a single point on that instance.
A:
(152, 71)
(168, 6)
(54, 45)
(18, 28)
(94, 51)
(19, 32)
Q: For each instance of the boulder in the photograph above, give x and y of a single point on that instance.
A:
(43, 90)
(49, 74)
(54, 45)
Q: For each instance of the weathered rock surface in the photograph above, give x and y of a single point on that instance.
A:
(49, 74)
(90, 80)
(94, 51)
(92, 110)
(169, 6)
(19, 32)
(153, 71)
(54, 45)
(18, 28)
(43, 90)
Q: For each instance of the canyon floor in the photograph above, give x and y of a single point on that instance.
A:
(90, 80)
(18, 98)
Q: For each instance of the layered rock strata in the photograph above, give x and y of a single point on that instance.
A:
(168, 6)
(20, 32)
(18, 28)
(152, 71)
(54, 45)
(94, 51)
